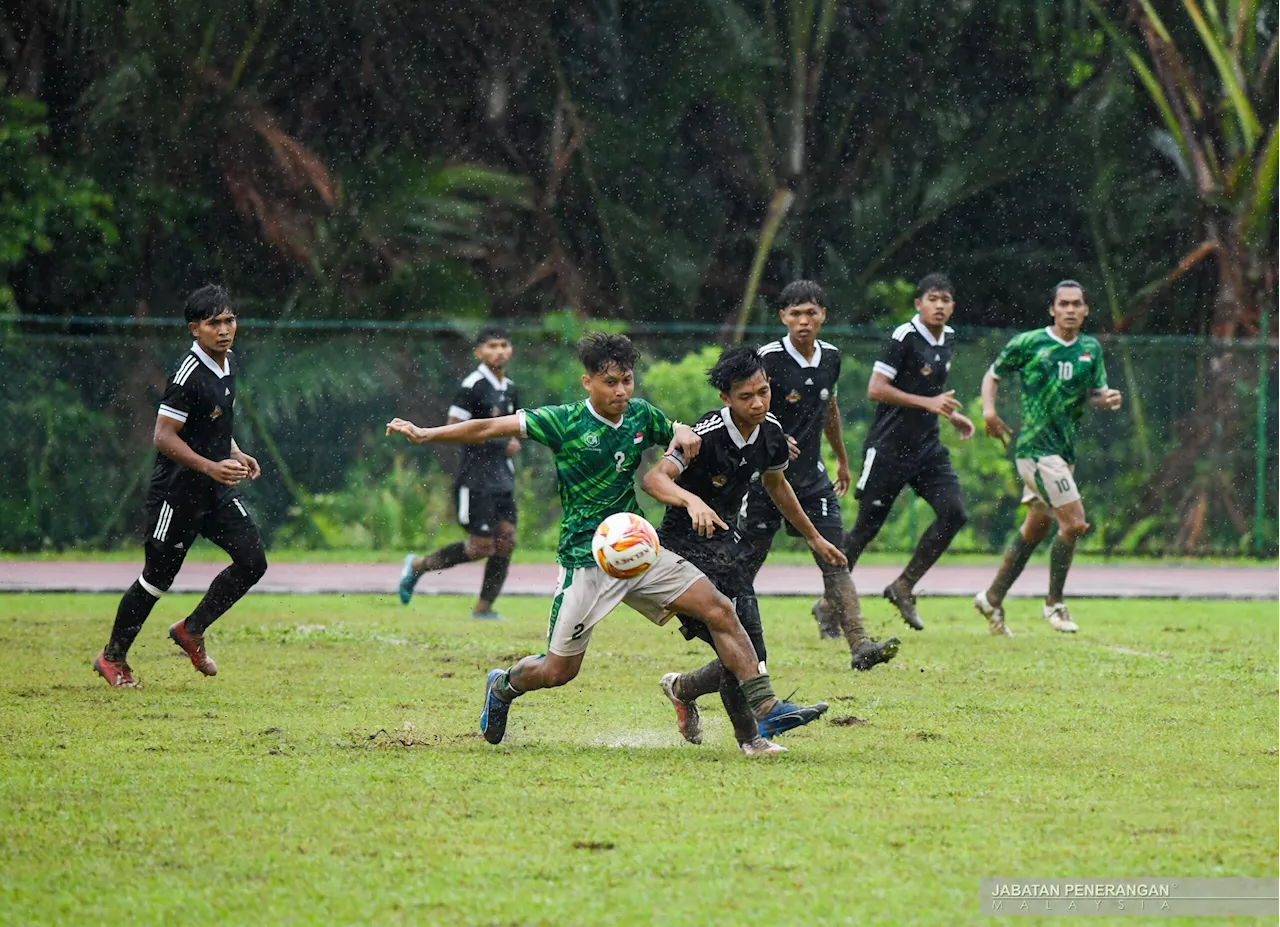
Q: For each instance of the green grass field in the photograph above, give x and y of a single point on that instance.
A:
(332, 773)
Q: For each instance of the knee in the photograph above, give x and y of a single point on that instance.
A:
(254, 565)
(478, 547)
(504, 545)
(953, 518)
(1072, 529)
(720, 615)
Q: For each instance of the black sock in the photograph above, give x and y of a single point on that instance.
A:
(1060, 556)
(495, 575)
(135, 606)
(227, 588)
(745, 728)
(702, 681)
(447, 556)
(933, 544)
(1015, 560)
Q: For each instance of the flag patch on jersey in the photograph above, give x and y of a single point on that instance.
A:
(1084, 359)
(639, 438)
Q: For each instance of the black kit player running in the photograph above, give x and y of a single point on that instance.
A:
(742, 446)
(803, 373)
(484, 485)
(903, 448)
(193, 492)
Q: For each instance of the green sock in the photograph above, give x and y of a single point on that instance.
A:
(1016, 556)
(1060, 555)
(759, 693)
(504, 689)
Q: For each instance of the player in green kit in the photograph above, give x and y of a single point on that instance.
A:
(597, 443)
(1061, 369)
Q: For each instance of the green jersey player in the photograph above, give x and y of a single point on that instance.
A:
(1061, 370)
(597, 443)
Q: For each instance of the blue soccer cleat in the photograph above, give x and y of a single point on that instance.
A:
(493, 716)
(407, 580)
(785, 717)
(487, 615)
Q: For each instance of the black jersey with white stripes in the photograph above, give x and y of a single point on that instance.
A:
(485, 468)
(726, 467)
(802, 390)
(201, 395)
(915, 362)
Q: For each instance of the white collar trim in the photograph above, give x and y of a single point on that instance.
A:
(209, 362)
(799, 358)
(614, 425)
(734, 433)
(928, 335)
(488, 375)
(1048, 330)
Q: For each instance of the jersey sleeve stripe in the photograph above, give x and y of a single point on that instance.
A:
(882, 367)
(828, 346)
(184, 371)
(459, 413)
(992, 371)
(901, 332)
(524, 423)
(171, 412)
(677, 460)
(778, 469)
(472, 379)
(770, 348)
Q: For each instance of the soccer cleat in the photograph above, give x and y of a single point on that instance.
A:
(905, 603)
(827, 628)
(193, 646)
(1059, 618)
(688, 720)
(993, 613)
(408, 579)
(872, 653)
(493, 716)
(758, 746)
(785, 717)
(117, 674)
(487, 615)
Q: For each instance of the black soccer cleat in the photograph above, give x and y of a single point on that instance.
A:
(905, 603)
(871, 653)
(828, 629)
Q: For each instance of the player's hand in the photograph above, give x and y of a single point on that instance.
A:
(512, 448)
(842, 477)
(227, 472)
(1107, 399)
(828, 551)
(412, 432)
(963, 425)
(704, 518)
(793, 449)
(944, 404)
(995, 427)
(253, 471)
(686, 441)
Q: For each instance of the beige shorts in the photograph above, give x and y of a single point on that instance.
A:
(584, 595)
(1050, 480)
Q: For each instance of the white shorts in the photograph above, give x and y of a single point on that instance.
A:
(1050, 480)
(584, 595)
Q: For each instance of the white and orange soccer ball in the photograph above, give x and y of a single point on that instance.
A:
(625, 545)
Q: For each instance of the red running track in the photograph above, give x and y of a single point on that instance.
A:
(1086, 580)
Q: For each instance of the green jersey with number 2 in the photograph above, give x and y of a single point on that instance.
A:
(1057, 377)
(596, 462)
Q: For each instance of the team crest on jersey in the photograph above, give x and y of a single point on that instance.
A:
(592, 439)
(719, 481)
(793, 396)
(926, 370)
(216, 412)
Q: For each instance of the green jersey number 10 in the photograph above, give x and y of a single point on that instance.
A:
(1065, 370)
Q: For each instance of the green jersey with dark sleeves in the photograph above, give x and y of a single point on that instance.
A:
(1057, 377)
(596, 462)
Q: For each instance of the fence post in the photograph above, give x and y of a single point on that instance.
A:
(1260, 483)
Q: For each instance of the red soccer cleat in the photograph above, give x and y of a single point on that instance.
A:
(117, 675)
(193, 646)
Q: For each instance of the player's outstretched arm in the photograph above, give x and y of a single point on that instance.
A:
(168, 441)
(992, 423)
(660, 482)
(784, 497)
(476, 431)
(834, 430)
(1108, 400)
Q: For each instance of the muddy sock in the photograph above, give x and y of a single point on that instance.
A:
(495, 575)
(1060, 556)
(843, 599)
(447, 556)
(1015, 560)
(745, 728)
(702, 681)
(759, 694)
(505, 690)
(135, 606)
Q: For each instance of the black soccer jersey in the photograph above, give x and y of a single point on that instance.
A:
(485, 468)
(725, 468)
(202, 396)
(917, 363)
(802, 391)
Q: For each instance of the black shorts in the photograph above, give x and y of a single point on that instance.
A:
(479, 512)
(173, 526)
(883, 478)
(723, 559)
(761, 518)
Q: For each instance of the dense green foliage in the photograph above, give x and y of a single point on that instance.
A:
(332, 771)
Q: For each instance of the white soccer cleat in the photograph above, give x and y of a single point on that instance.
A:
(758, 746)
(1059, 618)
(994, 615)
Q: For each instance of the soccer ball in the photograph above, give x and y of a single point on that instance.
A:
(625, 545)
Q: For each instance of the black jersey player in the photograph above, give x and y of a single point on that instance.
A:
(742, 446)
(484, 486)
(803, 372)
(193, 492)
(908, 383)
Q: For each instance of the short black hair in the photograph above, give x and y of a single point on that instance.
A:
(206, 302)
(940, 282)
(735, 365)
(799, 292)
(1053, 295)
(491, 333)
(599, 351)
